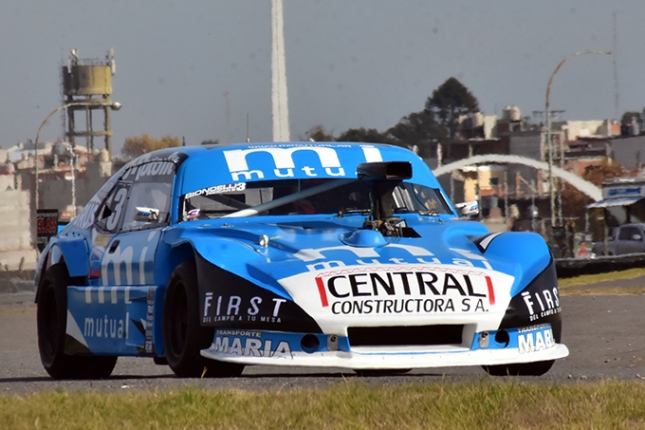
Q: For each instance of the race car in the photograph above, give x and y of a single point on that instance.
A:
(211, 258)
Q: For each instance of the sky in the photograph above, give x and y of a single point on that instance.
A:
(201, 69)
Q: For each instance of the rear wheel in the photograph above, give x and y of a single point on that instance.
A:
(380, 372)
(184, 337)
(538, 368)
(51, 316)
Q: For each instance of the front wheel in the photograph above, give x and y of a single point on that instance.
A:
(380, 372)
(183, 335)
(537, 368)
(51, 319)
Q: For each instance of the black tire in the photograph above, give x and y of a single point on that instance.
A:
(51, 316)
(183, 335)
(537, 368)
(380, 372)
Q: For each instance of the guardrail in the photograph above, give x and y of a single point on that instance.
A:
(569, 267)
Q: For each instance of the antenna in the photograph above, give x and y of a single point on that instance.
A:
(248, 140)
(228, 115)
(615, 51)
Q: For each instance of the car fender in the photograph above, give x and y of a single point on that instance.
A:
(229, 253)
(73, 251)
(507, 246)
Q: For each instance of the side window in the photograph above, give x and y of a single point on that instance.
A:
(148, 205)
(624, 234)
(110, 213)
(628, 233)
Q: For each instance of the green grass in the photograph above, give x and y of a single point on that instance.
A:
(486, 404)
(489, 403)
(570, 286)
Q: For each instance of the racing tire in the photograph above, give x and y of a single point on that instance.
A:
(380, 372)
(183, 335)
(537, 368)
(51, 321)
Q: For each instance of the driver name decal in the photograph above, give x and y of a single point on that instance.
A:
(217, 189)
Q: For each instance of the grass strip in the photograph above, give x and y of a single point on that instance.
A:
(574, 286)
(486, 404)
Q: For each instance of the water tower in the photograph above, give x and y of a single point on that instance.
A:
(88, 84)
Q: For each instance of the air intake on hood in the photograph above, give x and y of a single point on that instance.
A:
(401, 336)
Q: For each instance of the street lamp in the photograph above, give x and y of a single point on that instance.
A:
(105, 103)
(548, 127)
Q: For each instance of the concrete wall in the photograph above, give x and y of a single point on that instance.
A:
(16, 247)
(17, 214)
(628, 151)
(56, 192)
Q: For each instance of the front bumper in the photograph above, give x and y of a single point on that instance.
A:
(523, 345)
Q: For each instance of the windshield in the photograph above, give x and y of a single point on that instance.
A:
(305, 196)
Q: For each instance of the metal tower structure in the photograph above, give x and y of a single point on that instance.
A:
(279, 99)
(87, 87)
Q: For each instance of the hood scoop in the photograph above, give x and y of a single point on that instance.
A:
(363, 239)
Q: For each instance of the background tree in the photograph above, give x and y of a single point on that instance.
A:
(601, 172)
(628, 119)
(370, 135)
(210, 142)
(420, 130)
(574, 202)
(319, 134)
(139, 145)
(449, 101)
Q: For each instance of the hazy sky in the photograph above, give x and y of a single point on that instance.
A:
(350, 63)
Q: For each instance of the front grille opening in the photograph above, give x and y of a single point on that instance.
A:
(428, 335)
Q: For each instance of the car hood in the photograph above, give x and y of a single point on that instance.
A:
(274, 253)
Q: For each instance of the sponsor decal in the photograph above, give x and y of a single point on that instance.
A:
(110, 325)
(542, 303)
(236, 308)
(418, 290)
(106, 327)
(282, 156)
(217, 189)
(393, 253)
(150, 301)
(534, 339)
(245, 343)
(129, 259)
(153, 170)
(101, 240)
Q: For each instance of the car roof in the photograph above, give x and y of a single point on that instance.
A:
(210, 165)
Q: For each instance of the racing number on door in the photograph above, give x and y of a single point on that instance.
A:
(118, 202)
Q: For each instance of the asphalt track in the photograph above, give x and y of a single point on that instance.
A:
(605, 335)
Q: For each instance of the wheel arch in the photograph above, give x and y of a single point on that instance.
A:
(65, 252)
(174, 255)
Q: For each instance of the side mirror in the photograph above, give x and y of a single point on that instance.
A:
(637, 237)
(147, 214)
(470, 208)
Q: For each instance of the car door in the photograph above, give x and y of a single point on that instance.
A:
(630, 240)
(128, 228)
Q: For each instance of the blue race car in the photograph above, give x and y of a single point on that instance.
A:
(347, 255)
